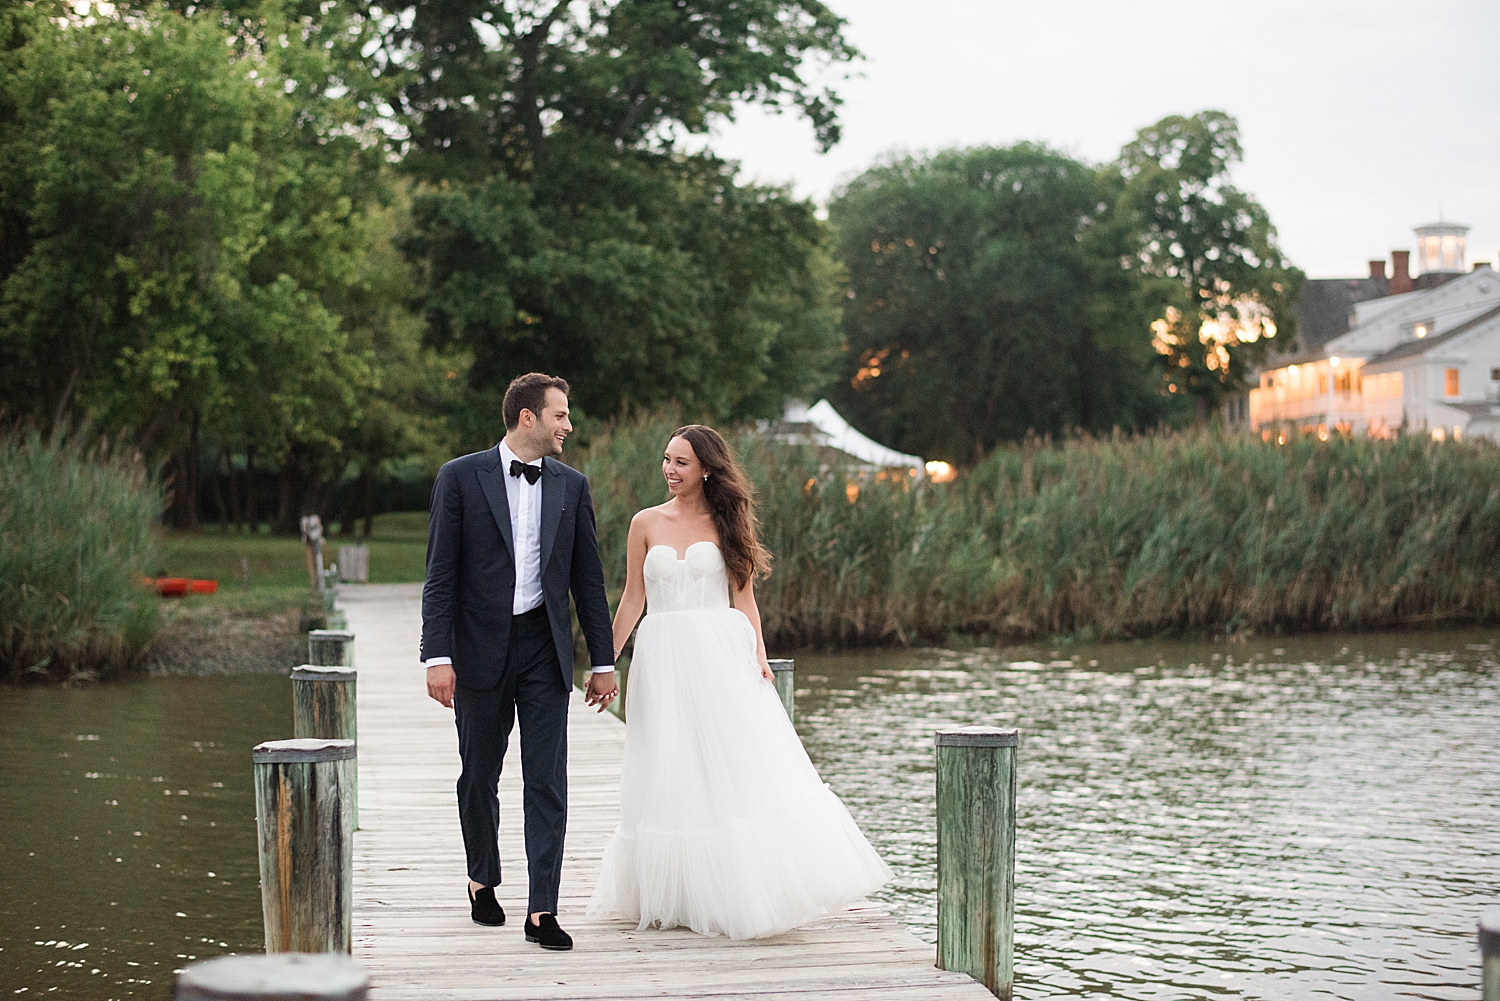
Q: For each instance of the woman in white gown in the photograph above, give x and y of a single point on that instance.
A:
(725, 826)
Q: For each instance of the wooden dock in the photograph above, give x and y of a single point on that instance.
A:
(411, 920)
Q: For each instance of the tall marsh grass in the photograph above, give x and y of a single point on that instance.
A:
(76, 535)
(1127, 536)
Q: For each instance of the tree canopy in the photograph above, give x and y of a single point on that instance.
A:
(986, 300)
(565, 226)
(1000, 292)
(195, 245)
(278, 235)
(1221, 286)
(285, 244)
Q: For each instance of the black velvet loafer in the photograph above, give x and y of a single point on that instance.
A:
(546, 934)
(484, 908)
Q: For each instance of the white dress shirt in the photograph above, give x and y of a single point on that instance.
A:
(524, 499)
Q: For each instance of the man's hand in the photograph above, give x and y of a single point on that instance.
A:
(440, 682)
(602, 690)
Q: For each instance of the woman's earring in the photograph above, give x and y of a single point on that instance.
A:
(705, 477)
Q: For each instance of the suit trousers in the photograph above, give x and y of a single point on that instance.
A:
(531, 687)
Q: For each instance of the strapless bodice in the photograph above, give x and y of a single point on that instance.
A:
(697, 581)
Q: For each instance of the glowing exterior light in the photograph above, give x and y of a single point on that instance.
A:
(1334, 361)
(940, 472)
(1420, 331)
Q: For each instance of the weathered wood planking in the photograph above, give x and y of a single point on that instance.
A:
(411, 920)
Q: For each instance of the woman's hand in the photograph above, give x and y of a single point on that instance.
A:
(766, 672)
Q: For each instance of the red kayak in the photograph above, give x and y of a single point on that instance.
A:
(176, 587)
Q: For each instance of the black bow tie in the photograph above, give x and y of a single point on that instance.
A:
(519, 468)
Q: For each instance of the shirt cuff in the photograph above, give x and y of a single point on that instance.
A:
(603, 668)
(434, 662)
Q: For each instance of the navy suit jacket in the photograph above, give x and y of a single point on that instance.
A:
(471, 569)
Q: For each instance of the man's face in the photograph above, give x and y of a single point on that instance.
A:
(552, 425)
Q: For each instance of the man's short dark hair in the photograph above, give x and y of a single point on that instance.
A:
(529, 392)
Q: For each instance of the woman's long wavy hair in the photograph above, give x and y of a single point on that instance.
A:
(731, 503)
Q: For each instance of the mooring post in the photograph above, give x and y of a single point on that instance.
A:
(330, 647)
(287, 976)
(785, 672)
(304, 821)
(1489, 951)
(324, 707)
(976, 821)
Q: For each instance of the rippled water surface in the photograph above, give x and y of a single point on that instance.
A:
(1295, 819)
(127, 831)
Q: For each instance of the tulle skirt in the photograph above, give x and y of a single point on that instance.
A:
(725, 826)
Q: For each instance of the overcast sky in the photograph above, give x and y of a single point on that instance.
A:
(1359, 120)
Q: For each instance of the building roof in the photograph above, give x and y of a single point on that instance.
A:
(1483, 409)
(1323, 313)
(1407, 349)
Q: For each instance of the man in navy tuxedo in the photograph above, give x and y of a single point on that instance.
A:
(510, 536)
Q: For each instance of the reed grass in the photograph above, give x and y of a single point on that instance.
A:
(1126, 536)
(76, 536)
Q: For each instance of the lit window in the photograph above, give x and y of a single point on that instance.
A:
(1450, 382)
(1453, 252)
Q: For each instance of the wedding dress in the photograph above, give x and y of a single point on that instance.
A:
(725, 826)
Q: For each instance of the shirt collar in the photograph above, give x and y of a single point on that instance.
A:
(506, 456)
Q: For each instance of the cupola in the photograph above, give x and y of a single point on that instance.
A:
(1440, 247)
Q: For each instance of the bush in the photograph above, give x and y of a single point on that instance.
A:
(1124, 536)
(76, 536)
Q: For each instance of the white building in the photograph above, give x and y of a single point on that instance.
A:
(1428, 358)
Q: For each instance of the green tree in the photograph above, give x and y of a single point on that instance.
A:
(561, 224)
(1220, 286)
(642, 280)
(482, 86)
(987, 300)
(199, 232)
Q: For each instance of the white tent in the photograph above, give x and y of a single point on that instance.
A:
(835, 432)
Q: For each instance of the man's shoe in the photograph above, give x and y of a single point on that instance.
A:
(546, 934)
(484, 908)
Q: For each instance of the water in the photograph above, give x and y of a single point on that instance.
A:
(127, 831)
(1310, 818)
(1299, 818)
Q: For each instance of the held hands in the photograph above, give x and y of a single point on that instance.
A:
(440, 682)
(602, 690)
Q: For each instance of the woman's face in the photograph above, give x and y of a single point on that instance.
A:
(680, 467)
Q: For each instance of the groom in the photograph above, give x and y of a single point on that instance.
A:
(511, 533)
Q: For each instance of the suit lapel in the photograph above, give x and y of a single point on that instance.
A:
(492, 482)
(552, 507)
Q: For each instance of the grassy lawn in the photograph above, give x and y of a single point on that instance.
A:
(278, 564)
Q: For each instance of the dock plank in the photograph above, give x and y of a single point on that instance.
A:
(411, 920)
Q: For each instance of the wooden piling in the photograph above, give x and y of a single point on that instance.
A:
(1489, 952)
(330, 647)
(323, 707)
(304, 820)
(288, 976)
(354, 564)
(785, 672)
(976, 819)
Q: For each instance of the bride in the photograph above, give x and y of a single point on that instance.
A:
(725, 826)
